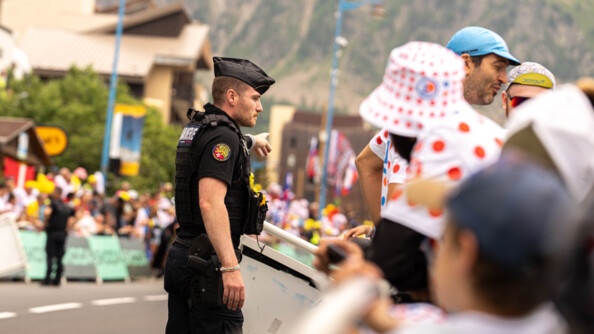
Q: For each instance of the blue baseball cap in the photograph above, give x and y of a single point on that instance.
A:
(478, 41)
(519, 212)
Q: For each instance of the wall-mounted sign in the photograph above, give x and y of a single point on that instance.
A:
(54, 138)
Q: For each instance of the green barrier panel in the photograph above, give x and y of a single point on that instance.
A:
(108, 258)
(34, 245)
(79, 262)
(135, 257)
(295, 253)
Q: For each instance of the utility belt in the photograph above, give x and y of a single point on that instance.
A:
(206, 288)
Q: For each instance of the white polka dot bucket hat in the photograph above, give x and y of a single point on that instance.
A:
(422, 83)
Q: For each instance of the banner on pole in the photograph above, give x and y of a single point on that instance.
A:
(126, 139)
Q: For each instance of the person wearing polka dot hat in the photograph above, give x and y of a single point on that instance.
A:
(380, 170)
(420, 102)
(525, 82)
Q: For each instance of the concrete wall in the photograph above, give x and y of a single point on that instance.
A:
(279, 116)
(6, 49)
(158, 87)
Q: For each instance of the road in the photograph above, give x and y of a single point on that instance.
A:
(83, 307)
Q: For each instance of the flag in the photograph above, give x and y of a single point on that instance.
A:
(287, 193)
(350, 176)
(312, 163)
(339, 155)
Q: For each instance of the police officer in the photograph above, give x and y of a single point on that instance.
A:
(60, 217)
(211, 196)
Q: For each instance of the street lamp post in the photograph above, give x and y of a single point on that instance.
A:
(112, 91)
(338, 43)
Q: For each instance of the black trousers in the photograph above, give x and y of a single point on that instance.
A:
(185, 318)
(396, 249)
(55, 248)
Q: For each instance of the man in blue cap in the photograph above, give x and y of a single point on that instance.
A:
(486, 57)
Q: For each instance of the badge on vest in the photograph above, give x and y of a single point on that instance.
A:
(187, 136)
(221, 152)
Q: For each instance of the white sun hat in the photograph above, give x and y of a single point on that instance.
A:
(563, 122)
(422, 83)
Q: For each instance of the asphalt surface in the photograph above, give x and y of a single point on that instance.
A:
(83, 307)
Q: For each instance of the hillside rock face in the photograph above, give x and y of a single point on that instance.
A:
(292, 40)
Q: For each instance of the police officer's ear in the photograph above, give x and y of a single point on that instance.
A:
(232, 96)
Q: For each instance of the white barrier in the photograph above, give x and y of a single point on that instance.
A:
(12, 258)
(286, 304)
(342, 307)
(279, 289)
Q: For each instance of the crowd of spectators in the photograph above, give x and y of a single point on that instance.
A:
(150, 216)
(127, 213)
(302, 218)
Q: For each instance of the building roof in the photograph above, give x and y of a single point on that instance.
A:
(143, 16)
(76, 15)
(10, 129)
(56, 50)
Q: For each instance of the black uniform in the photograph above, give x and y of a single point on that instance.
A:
(55, 247)
(220, 153)
(212, 146)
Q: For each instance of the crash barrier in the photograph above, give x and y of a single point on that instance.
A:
(345, 305)
(99, 258)
(278, 288)
(12, 256)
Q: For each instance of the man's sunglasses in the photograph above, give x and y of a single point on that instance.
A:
(517, 100)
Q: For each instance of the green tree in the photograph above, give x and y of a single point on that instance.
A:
(78, 103)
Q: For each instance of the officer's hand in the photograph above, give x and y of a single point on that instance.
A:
(261, 145)
(233, 289)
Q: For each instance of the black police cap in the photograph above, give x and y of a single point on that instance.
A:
(243, 70)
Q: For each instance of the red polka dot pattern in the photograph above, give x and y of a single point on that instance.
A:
(455, 174)
(479, 152)
(396, 194)
(438, 146)
(396, 168)
(435, 213)
(422, 81)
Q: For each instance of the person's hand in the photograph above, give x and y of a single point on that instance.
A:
(233, 289)
(354, 264)
(357, 231)
(322, 261)
(261, 145)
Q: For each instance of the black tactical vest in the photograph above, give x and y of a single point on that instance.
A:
(186, 183)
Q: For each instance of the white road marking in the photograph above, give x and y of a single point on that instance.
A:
(98, 302)
(6, 315)
(55, 307)
(155, 298)
(113, 301)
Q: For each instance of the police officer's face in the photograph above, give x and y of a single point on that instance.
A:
(248, 108)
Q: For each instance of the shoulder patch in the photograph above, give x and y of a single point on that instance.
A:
(221, 152)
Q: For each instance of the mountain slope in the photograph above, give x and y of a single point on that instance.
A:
(292, 40)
